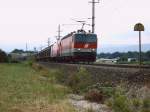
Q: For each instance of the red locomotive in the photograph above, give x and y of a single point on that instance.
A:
(77, 46)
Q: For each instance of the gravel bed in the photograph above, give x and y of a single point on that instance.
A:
(82, 105)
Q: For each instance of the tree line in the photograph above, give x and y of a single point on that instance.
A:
(21, 51)
(5, 57)
(125, 56)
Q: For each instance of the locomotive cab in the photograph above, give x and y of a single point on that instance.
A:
(85, 46)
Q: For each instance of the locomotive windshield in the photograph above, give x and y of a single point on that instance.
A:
(85, 38)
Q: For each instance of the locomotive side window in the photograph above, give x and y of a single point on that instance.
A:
(85, 38)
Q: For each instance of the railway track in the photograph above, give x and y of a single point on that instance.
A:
(106, 73)
(122, 65)
(104, 65)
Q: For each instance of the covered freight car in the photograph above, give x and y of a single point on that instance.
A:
(44, 55)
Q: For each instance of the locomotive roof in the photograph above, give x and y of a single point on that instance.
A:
(45, 48)
(73, 33)
(70, 34)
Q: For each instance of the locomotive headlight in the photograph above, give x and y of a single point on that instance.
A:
(79, 49)
(93, 49)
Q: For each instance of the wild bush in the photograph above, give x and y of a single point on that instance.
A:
(60, 75)
(79, 81)
(94, 96)
(72, 81)
(136, 103)
(35, 66)
(120, 102)
(3, 56)
(146, 105)
(107, 90)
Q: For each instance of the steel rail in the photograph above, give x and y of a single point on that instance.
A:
(105, 65)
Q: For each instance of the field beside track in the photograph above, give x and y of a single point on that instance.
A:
(27, 87)
(24, 89)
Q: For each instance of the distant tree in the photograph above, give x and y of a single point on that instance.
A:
(132, 54)
(104, 55)
(29, 52)
(17, 51)
(3, 56)
(116, 54)
(123, 57)
(147, 54)
(21, 51)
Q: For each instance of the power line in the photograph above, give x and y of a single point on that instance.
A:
(82, 22)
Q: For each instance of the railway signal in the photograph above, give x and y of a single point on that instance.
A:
(139, 27)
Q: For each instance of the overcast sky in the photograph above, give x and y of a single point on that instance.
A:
(33, 21)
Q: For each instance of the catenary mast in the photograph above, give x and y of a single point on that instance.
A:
(93, 14)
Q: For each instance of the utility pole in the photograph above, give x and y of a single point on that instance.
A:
(49, 42)
(59, 31)
(41, 47)
(93, 14)
(34, 49)
(26, 47)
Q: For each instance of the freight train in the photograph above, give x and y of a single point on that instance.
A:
(79, 46)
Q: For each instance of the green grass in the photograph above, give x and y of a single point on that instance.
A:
(135, 63)
(121, 102)
(24, 89)
(146, 62)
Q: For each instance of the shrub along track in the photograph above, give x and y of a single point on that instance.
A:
(108, 74)
(97, 79)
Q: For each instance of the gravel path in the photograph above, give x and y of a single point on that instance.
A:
(82, 105)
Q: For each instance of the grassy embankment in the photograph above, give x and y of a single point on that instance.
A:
(120, 98)
(24, 89)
